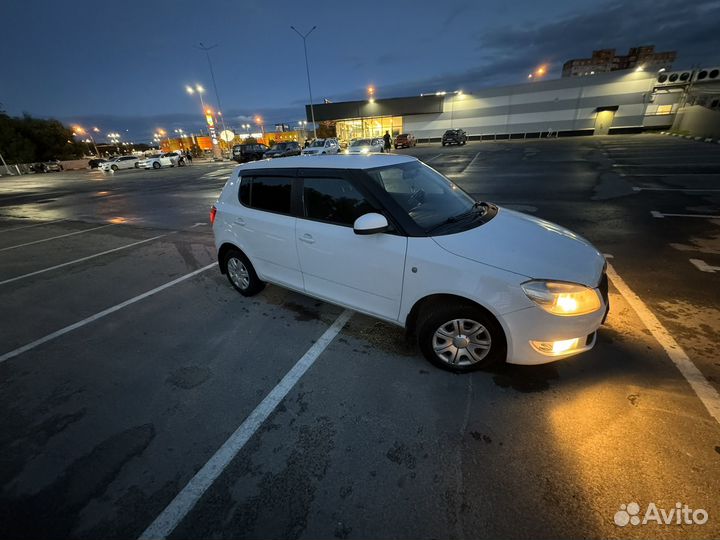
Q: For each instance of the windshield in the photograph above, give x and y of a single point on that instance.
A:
(318, 143)
(428, 197)
(361, 142)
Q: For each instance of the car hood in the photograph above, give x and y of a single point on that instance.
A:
(528, 246)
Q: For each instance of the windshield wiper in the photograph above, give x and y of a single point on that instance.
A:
(459, 217)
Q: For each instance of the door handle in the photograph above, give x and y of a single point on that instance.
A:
(307, 238)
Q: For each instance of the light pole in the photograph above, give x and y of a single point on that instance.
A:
(212, 76)
(207, 114)
(259, 122)
(307, 70)
(81, 131)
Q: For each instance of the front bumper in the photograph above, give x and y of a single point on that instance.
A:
(533, 324)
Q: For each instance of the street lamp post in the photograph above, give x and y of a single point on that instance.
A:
(207, 113)
(81, 131)
(212, 77)
(307, 70)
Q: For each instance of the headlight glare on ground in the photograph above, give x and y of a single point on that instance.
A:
(563, 299)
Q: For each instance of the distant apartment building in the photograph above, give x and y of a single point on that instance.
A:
(605, 60)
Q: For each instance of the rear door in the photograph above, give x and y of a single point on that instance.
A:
(364, 272)
(264, 227)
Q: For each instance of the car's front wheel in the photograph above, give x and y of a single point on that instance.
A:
(137, 165)
(156, 165)
(114, 167)
(241, 274)
(461, 338)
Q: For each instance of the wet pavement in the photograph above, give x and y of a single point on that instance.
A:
(110, 411)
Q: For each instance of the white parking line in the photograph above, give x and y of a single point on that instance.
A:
(704, 390)
(656, 214)
(432, 158)
(56, 237)
(186, 500)
(704, 267)
(100, 315)
(48, 269)
(34, 225)
(472, 162)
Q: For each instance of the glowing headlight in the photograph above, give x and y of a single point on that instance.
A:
(364, 150)
(564, 299)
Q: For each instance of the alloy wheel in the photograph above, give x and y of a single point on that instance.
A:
(461, 342)
(238, 273)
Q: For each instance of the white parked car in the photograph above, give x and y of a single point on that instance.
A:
(168, 159)
(322, 146)
(122, 162)
(390, 237)
(366, 146)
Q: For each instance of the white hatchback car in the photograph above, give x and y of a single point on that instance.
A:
(390, 237)
(122, 162)
(366, 146)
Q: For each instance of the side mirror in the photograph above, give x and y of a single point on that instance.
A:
(370, 224)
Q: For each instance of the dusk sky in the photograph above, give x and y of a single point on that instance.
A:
(124, 65)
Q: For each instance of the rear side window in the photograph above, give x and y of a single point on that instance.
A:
(272, 194)
(334, 200)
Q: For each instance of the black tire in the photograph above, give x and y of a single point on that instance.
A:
(443, 144)
(114, 167)
(156, 165)
(254, 285)
(137, 165)
(181, 163)
(437, 316)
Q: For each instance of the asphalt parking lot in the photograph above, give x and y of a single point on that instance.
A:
(129, 366)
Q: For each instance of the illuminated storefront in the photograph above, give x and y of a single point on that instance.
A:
(374, 126)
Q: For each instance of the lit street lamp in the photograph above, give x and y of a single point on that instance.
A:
(81, 131)
(307, 69)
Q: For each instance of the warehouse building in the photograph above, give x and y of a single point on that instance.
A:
(604, 103)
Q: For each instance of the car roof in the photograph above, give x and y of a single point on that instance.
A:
(339, 161)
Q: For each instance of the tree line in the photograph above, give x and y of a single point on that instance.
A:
(26, 139)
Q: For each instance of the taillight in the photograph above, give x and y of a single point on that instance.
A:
(213, 211)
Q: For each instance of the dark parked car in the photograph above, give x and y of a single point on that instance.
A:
(283, 149)
(454, 136)
(248, 152)
(405, 140)
(95, 163)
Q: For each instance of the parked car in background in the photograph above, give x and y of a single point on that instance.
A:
(122, 162)
(156, 161)
(405, 140)
(248, 152)
(454, 136)
(95, 163)
(52, 165)
(283, 149)
(366, 146)
(388, 236)
(322, 146)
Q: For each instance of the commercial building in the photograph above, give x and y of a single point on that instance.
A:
(605, 60)
(605, 103)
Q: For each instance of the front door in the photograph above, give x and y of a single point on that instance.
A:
(364, 272)
(603, 122)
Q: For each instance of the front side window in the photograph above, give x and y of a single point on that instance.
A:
(428, 197)
(334, 200)
(267, 193)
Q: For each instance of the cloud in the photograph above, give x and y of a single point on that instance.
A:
(508, 53)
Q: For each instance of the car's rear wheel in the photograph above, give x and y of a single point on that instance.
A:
(114, 167)
(460, 338)
(241, 274)
(156, 165)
